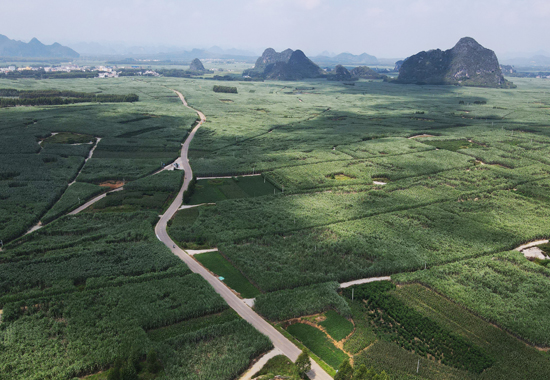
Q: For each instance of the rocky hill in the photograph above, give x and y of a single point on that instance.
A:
(196, 65)
(340, 73)
(34, 49)
(398, 65)
(365, 72)
(287, 65)
(271, 56)
(467, 63)
(346, 59)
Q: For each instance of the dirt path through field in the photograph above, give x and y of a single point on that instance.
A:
(38, 225)
(98, 139)
(279, 340)
(364, 281)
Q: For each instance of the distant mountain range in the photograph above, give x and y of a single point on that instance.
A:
(162, 52)
(346, 59)
(534, 61)
(34, 49)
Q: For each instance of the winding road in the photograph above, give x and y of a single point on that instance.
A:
(279, 340)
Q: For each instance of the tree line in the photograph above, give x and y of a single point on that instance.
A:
(42, 74)
(13, 98)
(225, 89)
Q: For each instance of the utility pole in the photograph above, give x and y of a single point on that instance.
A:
(418, 366)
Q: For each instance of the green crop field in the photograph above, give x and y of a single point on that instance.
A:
(88, 291)
(219, 189)
(337, 326)
(318, 343)
(291, 303)
(217, 264)
(433, 185)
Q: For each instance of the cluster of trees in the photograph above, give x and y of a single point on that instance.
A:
(476, 102)
(167, 181)
(129, 368)
(225, 89)
(347, 372)
(411, 330)
(42, 74)
(306, 300)
(53, 97)
(187, 194)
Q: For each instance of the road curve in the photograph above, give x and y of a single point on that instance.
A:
(279, 340)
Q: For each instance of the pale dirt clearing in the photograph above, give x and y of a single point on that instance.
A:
(364, 281)
(199, 251)
(420, 136)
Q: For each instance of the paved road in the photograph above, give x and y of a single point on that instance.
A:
(279, 340)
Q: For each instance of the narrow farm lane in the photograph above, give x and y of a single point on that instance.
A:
(279, 340)
(364, 281)
(92, 201)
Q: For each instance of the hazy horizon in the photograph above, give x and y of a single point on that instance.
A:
(396, 28)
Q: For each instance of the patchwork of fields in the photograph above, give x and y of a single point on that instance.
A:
(370, 187)
(96, 293)
(354, 183)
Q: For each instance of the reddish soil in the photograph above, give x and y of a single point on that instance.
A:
(112, 184)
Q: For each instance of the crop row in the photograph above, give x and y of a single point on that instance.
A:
(407, 327)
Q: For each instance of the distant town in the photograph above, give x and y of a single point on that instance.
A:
(102, 71)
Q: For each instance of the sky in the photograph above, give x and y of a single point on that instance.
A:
(384, 28)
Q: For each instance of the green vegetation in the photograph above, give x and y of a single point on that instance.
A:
(225, 89)
(278, 365)
(399, 323)
(513, 358)
(303, 364)
(36, 167)
(502, 288)
(185, 219)
(153, 192)
(54, 98)
(337, 326)
(316, 341)
(192, 325)
(292, 303)
(360, 372)
(452, 145)
(364, 335)
(131, 308)
(75, 195)
(69, 138)
(96, 293)
(443, 218)
(219, 352)
(219, 189)
(217, 264)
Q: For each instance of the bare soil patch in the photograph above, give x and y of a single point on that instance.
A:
(112, 184)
